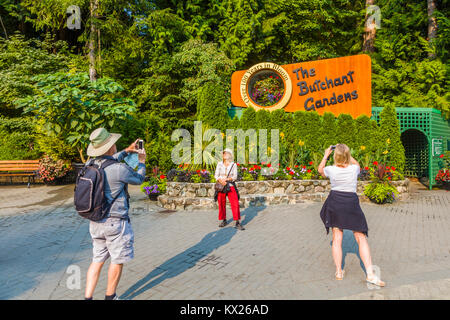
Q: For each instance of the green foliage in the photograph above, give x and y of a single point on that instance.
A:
(390, 134)
(20, 60)
(328, 130)
(17, 139)
(346, 130)
(163, 53)
(212, 106)
(380, 193)
(402, 72)
(88, 105)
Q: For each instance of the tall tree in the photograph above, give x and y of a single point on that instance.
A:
(432, 25)
(369, 29)
(92, 37)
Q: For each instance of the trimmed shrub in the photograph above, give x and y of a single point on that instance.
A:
(328, 130)
(345, 130)
(390, 134)
(212, 106)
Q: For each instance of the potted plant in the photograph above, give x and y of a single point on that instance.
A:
(380, 189)
(52, 171)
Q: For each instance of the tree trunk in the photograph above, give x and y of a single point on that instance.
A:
(83, 159)
(4, 29)
(369, 31)
(432, 24)
(92, 42)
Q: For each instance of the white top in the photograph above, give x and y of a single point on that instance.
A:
(222, 171)
(343, 179)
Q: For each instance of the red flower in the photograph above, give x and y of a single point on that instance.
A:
(441, 156)
(375, 163)
(238, 164)
(291, 173)
(310, 163)
(269, 165)
(296, 166)
(366, 168)
(309, 170)
(389, 178)
(198, 171)
(287, 168)
(388, 168)
(393, 168)
(162, 176)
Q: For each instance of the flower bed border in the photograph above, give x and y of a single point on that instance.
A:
(192, 196)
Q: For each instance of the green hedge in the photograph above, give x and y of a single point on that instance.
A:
(366, 139)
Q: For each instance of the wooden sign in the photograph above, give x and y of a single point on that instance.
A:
(339, 85)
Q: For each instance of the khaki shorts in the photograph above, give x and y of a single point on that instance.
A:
(113, 238)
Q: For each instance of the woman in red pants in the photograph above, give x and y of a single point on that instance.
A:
(226, 174)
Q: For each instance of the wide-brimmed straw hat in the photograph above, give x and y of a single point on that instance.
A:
(101, 142)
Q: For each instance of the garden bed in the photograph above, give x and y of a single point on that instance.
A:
(192, 196)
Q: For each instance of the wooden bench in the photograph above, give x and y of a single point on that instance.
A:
(17, 168)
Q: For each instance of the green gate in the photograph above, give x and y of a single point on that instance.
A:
(425, 135)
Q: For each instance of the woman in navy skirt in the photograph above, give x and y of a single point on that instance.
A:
(341, 210)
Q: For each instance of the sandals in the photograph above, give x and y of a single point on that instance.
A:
(376, 281)
(339, 276)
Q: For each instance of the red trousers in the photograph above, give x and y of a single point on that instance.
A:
(234, 203)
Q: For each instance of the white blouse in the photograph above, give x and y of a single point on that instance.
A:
(222, 171)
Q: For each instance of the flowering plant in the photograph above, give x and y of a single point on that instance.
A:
(50, 169)
(185, 174)
(267, 91)
(443, 175)
(155, 184)
(380, 189)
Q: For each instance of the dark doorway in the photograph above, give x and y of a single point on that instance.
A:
(416, 153)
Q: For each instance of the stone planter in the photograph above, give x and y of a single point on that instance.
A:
(190, 196)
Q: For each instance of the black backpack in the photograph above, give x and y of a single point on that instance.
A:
(89, 198)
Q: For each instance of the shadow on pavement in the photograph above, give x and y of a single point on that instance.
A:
(188, 258)
(349, 246)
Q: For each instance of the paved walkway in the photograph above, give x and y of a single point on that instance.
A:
(283, 254)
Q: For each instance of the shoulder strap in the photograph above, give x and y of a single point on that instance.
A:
(230, 170)
(107, 163)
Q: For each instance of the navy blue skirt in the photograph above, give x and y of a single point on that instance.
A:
(342, 210)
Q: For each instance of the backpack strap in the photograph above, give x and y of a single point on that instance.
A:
(106, 163)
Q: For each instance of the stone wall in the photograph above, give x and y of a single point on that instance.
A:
(191, 196)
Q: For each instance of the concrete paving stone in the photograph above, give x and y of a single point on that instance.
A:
(284, 253)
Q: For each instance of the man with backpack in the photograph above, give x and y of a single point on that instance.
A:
(101, 195)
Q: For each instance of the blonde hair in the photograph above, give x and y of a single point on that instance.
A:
(341, 154)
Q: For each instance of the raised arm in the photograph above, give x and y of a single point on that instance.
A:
(324, 162)
(353, 161)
